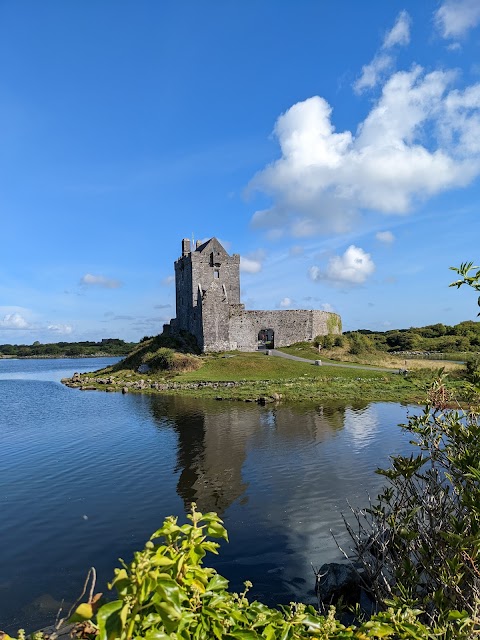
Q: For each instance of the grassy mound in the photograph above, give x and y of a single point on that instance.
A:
(163, 353)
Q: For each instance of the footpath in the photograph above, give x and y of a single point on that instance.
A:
(280, 354)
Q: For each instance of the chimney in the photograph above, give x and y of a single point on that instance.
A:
(185, 247)
(199, 244)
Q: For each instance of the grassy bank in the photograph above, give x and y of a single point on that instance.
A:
(374, 359)
(254, 376)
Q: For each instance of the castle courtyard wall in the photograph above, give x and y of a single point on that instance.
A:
(289, 326)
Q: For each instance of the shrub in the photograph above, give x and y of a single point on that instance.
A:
(166, 593)
(420, 541)
(339, 341)
(360, 343)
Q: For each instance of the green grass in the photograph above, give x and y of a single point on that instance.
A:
(309, 351)
(315, 389)
(304, 350)
(247, 366)
(256, 375)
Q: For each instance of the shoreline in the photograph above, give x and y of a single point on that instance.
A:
(268, 391)
(62, 357)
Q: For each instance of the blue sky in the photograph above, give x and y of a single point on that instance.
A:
(334, 145)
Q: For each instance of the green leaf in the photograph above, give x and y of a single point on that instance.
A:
(109, 621)
(217, 583)
(169, 591)
(457, 615)
(216, 530)
(162, 561)
(379, 629)
(157, 635)
(83, 612)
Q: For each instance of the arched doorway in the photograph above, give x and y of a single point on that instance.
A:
(266, 339)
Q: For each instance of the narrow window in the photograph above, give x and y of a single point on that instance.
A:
(216, 273)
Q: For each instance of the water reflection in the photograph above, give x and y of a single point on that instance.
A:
(214, 440)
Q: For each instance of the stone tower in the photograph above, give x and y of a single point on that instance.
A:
(207, 282)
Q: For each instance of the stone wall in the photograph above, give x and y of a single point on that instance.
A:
(215, 319)
(289, 326)
(211, 263)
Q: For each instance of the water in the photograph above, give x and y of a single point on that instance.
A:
(86, 477)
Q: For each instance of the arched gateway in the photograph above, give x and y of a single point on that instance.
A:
(266, 339)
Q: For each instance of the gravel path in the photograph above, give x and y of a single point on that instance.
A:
(274, 352)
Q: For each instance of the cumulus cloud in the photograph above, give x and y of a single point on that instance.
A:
(399, 33)
(385, 236)
(375, 70)
(285, 302)
(422, 137)
(353, 267)
(252, 263)
(168, 280)
(250, 266)
(90, 280)
(455, 18)
(14, 321)
(64, 329)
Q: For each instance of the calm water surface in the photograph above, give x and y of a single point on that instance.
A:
(86, 477)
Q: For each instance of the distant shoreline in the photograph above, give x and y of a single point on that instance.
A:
(61, 357)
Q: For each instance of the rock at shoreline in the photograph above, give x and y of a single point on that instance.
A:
(336, 580)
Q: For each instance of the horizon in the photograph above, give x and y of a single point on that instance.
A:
(335, 148)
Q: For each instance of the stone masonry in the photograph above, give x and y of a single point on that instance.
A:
(208, 306)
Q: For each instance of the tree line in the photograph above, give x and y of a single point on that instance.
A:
(462, 337)
(105, 347)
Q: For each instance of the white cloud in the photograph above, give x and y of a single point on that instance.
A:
(14, 321)
(250, 266)
(168, 280)
(326, 306)
(419, 139)
(375, 70)
(285, 302)
(99, 281)
(252, 263)
(64, 329)
(385, 236)
(399, 33)
(296, 250)
(456, 17)
(353, 267)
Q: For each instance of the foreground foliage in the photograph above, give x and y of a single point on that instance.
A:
(166, 593)
(419, 542)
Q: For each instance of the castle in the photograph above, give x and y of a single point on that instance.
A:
(207, 282)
